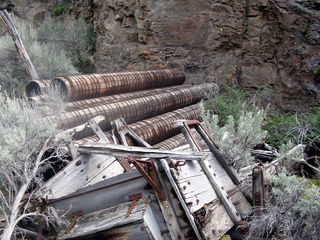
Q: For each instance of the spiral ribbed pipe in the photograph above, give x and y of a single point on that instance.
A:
(172, 142)
(37, 87)
(77, 87)
(86, 103)
(135, 109)
(156, 129)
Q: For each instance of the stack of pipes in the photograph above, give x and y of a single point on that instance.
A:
(150, 100)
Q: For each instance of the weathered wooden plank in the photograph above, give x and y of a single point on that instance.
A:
(7, 21)
(86, 169)
(217, 221)
(104, 194)
(137, 152)
(114, 218)
(181, 200)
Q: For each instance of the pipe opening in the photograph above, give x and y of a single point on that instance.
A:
(58, 85)
(33, 89)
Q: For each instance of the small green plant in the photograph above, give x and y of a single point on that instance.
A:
(229, 103)
(300, 128)
(305, 29)
(59, 8)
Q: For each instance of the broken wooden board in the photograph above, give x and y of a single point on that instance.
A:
(104, 194)
(138, 152)
(112, 222)
(81, 172)
(199, 196)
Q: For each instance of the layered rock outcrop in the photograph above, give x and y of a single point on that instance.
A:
(245, 43)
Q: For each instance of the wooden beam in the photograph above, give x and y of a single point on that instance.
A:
(7, 21)
(137, 152)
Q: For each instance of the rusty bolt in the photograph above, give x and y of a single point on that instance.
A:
(78, 163)
(142, 228)
(190, 203)
(184, 187)
(189, 182)
(179, 237)
(198, 201)
(99, 165)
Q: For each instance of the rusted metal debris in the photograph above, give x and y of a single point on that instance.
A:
(135, 109)
(86, 86)
(156, 129)
(258, 192)
(37, 87)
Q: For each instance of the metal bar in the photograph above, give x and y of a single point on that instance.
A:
(258, 191)
(204, 134)
(149, 180)
(97, 130)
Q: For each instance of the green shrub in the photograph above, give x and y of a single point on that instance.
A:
(77, 39)
(237, 137)
(48, 59)
(231, 103)
(300, 128)
(59, 8)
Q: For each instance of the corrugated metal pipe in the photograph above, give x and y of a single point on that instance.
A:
(155, 129)
(37, 87)
(86, 86)
(135, 109)
(87, 103)
(171, 143)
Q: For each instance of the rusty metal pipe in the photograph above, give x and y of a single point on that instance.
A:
(37, 87)
(172, 142)
(86, 103)
(135, 109)
(86, 86)
(155, 129)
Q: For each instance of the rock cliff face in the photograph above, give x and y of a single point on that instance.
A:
(246, 43)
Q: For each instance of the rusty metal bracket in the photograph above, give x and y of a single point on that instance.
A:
(75, 217)
(124, 163)
(258, 191)
(175, 164)
(133, 198)
(153, 181)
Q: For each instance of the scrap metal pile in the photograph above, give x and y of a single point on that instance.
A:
(143, 165)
